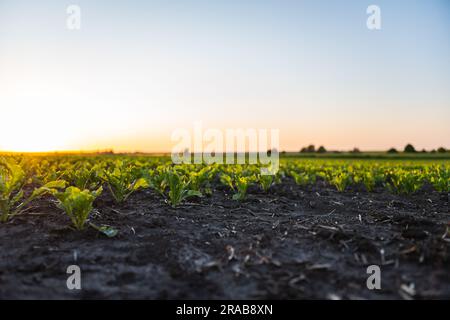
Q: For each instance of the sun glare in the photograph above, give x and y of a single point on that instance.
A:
(39, 142)
(35, 132)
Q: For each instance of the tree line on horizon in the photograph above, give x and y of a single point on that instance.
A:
(409, 148)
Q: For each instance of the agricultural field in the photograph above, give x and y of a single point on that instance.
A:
(142, 227)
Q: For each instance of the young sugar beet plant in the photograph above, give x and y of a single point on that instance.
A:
(200, 180)
(122, 181)
(268, 178)
(78, 204)
(13, 180)
(266, 181)
(368, 178)
(238, 183)
(156, 179)
(303, 178)
(341, 180)
(404, 181)
(439, 177)
(84, 177)
(179, 188)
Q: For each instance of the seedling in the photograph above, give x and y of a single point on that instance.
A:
(266, 181)
(303, 178)
(84, 177)
(439, 177)
(156, 180)
(77, 204)
(108, 231)
(179, 188)
(238, 183)
(341, 180)
(12, 194)
(404, 181)
(122, 182)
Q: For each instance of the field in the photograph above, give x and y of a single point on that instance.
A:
(141, 227)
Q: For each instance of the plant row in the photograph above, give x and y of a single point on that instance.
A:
(74, 183)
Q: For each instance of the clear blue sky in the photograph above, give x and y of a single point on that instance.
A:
(137, 70)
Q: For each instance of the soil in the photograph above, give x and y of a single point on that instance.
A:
(292, 243)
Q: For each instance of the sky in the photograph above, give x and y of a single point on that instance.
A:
(137, 71)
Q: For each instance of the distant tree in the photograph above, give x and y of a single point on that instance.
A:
(433, 151)
(355, 150)
(321, 149)
(423, 151)
(392, 150)
(409, 148)
(441, 150)
(106, 152)
(308, 149)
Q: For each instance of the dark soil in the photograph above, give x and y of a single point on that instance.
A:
(294, 243)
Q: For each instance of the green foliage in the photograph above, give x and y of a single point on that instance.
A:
(12, 180)
(227, 180)
(238, 181)
(123, 180)
(84, 177)
(12, 193)
(179, 188)
(108, 231)
(303, 178)
(266, 181)
(26, 178)
(242, 184)
(439, 177)
(341, 180)
(404, 181)
(369, 178)
(156, 179)
(77, 204)
(201, 180)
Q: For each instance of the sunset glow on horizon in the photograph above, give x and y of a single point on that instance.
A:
(137, 71)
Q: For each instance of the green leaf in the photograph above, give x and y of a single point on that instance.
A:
(17, 197)
(140, 183)
(237, 196)
(58, 184)
(194, 193)
(108, 231)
